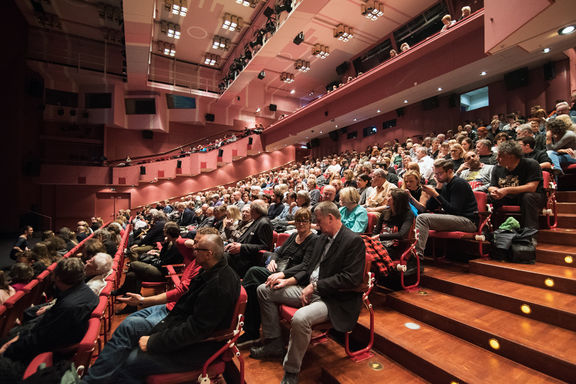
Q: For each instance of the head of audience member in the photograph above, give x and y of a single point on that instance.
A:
(47, 235)
(303, 221)
(378, 178)
(258, 208)
(527, 143)
(233, 213)
(393, 53)
(363, 181)
(472, 160)
(444, 149)
(412, 180)
(500, 138)
(21, 273)
(171, 231)
(209, 250)
(210, 212)
(466, 11)
(220, 212)
(456, 151)
(562, 108)
(483, 147)
(246, 214)
(349, 198)
(399, 201)
(567, 121)
(509, 154)
(337, 184)
(421, 152)
(91, 248)
(557, 128)
(303, 199)
(4, 285)
(443, 170)
(482, 132)
(404, 47)
(328, 217)
(329, 193)
(99, 264)
(466, 144)
(524, 130)
(236, 196)
(311, 182)
(69, 272)
(447, 20)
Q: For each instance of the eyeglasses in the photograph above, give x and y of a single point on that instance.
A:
(302, 221)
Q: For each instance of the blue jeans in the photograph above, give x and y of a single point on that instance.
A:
(560, 159)
(112, 359)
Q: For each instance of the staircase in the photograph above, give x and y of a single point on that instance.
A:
(482, 322)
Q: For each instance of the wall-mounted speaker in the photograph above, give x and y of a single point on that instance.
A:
(142, 170)
(314, 143)
(209, 117)
(273, 107)
(250, 141)
(147, 134)
(453, 100)
(549, 71)
(220, 152)
(178, 164)
(400, 112)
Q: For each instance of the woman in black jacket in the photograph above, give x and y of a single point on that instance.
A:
(402, 218)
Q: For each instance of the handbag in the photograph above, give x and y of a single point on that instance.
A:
(523, 247)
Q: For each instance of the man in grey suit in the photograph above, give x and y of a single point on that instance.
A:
(322, 286)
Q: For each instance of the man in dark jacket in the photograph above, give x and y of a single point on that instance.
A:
(323, 286)
(154, 235)
(61, 326)
(258, 237)
(177, 343)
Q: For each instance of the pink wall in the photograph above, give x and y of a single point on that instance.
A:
(68, 204)
(419, 122)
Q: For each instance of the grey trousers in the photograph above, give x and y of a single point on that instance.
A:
(301, 330)
(439, 222)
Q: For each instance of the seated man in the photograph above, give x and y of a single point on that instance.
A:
(177, 343)
(484, 151)
(322, 286)
(376, 201)
(140, 323)
(97, 269)
(517, 181)
(560, 141)
(277, 207)
(154, 235)
(475, 172)
(454, 198)
(245, 253)
(425, 162)
(527, 143)
(63, 325)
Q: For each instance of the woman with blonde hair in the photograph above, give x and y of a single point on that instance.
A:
(456, 155)
(353, 215)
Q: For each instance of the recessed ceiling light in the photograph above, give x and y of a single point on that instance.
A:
(483, 73)
(405, 101)
(378, 111)
(567, 30)
(292, 91)
(320, 131)
(439, 89)
(546, 50)
(355, 119)
(336, 126)
(258, 109)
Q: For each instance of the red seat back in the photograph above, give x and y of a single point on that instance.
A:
(481, 200)
(282, 237)
(372, 221)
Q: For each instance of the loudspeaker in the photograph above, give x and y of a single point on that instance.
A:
(333, 135)
(453, 100)
(250, 141)
(147, 134)
(308, 146)
(220, 152)
(178, 164)
(299, 38)
(314, 143)
(209, 117)
(516, 79)
(549, 70)
(273, 107)
(400, 112)
(342, 68)
(142, 170)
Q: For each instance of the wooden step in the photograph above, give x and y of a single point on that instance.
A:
(566, 196)
(547, 276)
(327, 363)
(564, 255)
(440, 357)
(566, 220)
(566, 207)
(543, 347)
(551, 307)
(564, 236)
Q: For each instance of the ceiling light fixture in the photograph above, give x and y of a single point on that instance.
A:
(232, 23)
(439, 89)
(567, 30)
(546, 50)
(405, 101)
(177, 7)
(211, 59)
(321, 51)
(378, 111)
(483, 73)
(372, 10)
(248, 3)
(287, 77)
(167, 49)
(343, 32)
(302, 65)
(220, 43)
(258, 109)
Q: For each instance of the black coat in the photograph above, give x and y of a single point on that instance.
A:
(258, 237)
(155, 234)
(341, 271)
(187, 217)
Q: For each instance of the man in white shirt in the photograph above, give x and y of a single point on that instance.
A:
(425, 162)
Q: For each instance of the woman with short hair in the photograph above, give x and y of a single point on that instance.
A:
(353, 215)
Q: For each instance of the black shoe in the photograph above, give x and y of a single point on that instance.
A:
(126, 310)
(289, 378)
(246, 340)
(272, 350)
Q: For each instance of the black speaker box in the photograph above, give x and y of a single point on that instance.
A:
(273, 107)
(250, 141)
(147, 134)
(220, 152)
(400, 112)
(453, 100)
(549, 71)
(142, 170)
(314, 143)
(209, 117)
(178, 164)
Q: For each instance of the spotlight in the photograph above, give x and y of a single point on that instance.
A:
(567, 30)
(287, 77)
(211, 59)
(321, 51)
(302, 65)
(299, 38)
(262, 75)
(372, 10)
(343, 32)
(232, 23)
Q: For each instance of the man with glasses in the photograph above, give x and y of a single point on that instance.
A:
(455, 201)
(376, 201)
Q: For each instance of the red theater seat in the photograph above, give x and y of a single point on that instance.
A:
(372, 221)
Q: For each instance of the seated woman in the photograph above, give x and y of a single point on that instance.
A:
(151, 269)
(559, 142)
(364, 187)
(457, 155)
(5, 289)
(353, 215)
(20, 275)
(294, 251)
(413, 184)
(401, 217)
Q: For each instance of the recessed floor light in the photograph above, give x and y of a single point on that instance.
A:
(567, 30)
(546, 50)
(412, 326)
(483, 73)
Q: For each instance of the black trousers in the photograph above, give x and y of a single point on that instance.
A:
(253, 278)
(531, 203)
